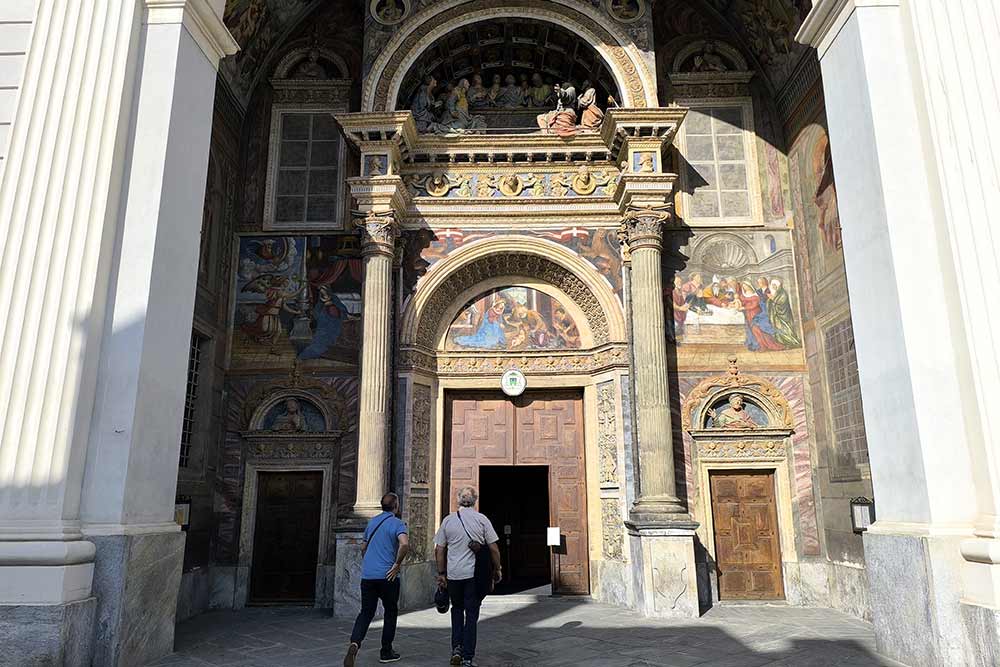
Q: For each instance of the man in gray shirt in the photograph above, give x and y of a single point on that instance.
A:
(456, 563)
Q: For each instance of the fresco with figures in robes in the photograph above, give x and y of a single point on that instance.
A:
(298, 298)
(735, 293)
(513, 318)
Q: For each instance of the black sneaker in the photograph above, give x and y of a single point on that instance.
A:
(387, 655)
(456, 656)
(469, 663)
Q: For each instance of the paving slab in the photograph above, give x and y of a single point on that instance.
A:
(538, 631)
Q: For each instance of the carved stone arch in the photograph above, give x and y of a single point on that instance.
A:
(293, 58)
(764, 394)
(265, 396)
(516, 257)
(511, 268)
(632, 75)
(684, 52)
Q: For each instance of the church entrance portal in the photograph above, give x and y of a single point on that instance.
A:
(286, 538)
(493, 438)
(516, 499)
(746, 535)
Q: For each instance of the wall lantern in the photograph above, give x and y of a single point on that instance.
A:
(862, 514)
(182, 511)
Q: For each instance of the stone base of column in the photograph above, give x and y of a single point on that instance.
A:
(347, 581)
(48, 634)
(661, 511)
(136, 581)
(982, 635)
(915, 585)
(664, 570)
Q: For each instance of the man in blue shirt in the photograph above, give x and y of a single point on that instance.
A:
(385, 546)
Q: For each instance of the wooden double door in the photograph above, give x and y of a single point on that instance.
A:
(536, 429)
(747, 545)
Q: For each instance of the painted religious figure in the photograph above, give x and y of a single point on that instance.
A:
(562, 119)
(733, 295)
(513, 318)
(296, 298)
(734, 416)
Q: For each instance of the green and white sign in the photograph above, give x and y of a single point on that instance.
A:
(513, 382)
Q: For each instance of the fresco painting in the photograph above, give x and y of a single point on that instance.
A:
(600, 247)
(814, 194)
(297, 299)
(734, 294)
(513, 318)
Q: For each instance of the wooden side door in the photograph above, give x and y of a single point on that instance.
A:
(550, 432)
(482, 433)
(286, 537)
(747, 548)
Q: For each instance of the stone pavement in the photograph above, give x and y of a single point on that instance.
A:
(529, 631)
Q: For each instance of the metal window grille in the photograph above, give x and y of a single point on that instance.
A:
(191, 398)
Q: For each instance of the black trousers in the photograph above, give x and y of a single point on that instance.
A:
(373, 590)
(465, 603)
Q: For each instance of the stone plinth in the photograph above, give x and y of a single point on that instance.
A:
(347, 583)
(48, 634)
(664, 571)
(137, 579)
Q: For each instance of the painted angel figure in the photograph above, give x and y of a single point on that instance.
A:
(278, 291)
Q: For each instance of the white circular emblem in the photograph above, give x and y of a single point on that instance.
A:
(513, 383)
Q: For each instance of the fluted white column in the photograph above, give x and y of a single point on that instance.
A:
(379, 236)
(657, 486)
(58, 199)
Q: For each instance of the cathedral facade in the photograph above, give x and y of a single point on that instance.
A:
(266, 260)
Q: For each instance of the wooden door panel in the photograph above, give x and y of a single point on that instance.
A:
(544, 429)
(748, 553)
(286, 537)
(482, 433)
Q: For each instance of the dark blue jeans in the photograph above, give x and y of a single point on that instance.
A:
(373, 590)
(465, 604)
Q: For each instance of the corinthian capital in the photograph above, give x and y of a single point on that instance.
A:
(378, 233)
(643, 227)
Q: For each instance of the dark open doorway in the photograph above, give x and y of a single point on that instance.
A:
(516, 499)
(286, 538)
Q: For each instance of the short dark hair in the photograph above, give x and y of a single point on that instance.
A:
(390, 502)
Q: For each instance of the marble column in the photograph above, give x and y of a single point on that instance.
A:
(661, 532)
(657, 499)
(379, 234)
(100, 198)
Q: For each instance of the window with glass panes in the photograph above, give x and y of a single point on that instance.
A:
(191, 398)
(717, 175)
(308, 172)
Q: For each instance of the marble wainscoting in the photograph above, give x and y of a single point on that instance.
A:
(136, 582)
(58, 634)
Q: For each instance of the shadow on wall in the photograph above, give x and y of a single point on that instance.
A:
(549, 631)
